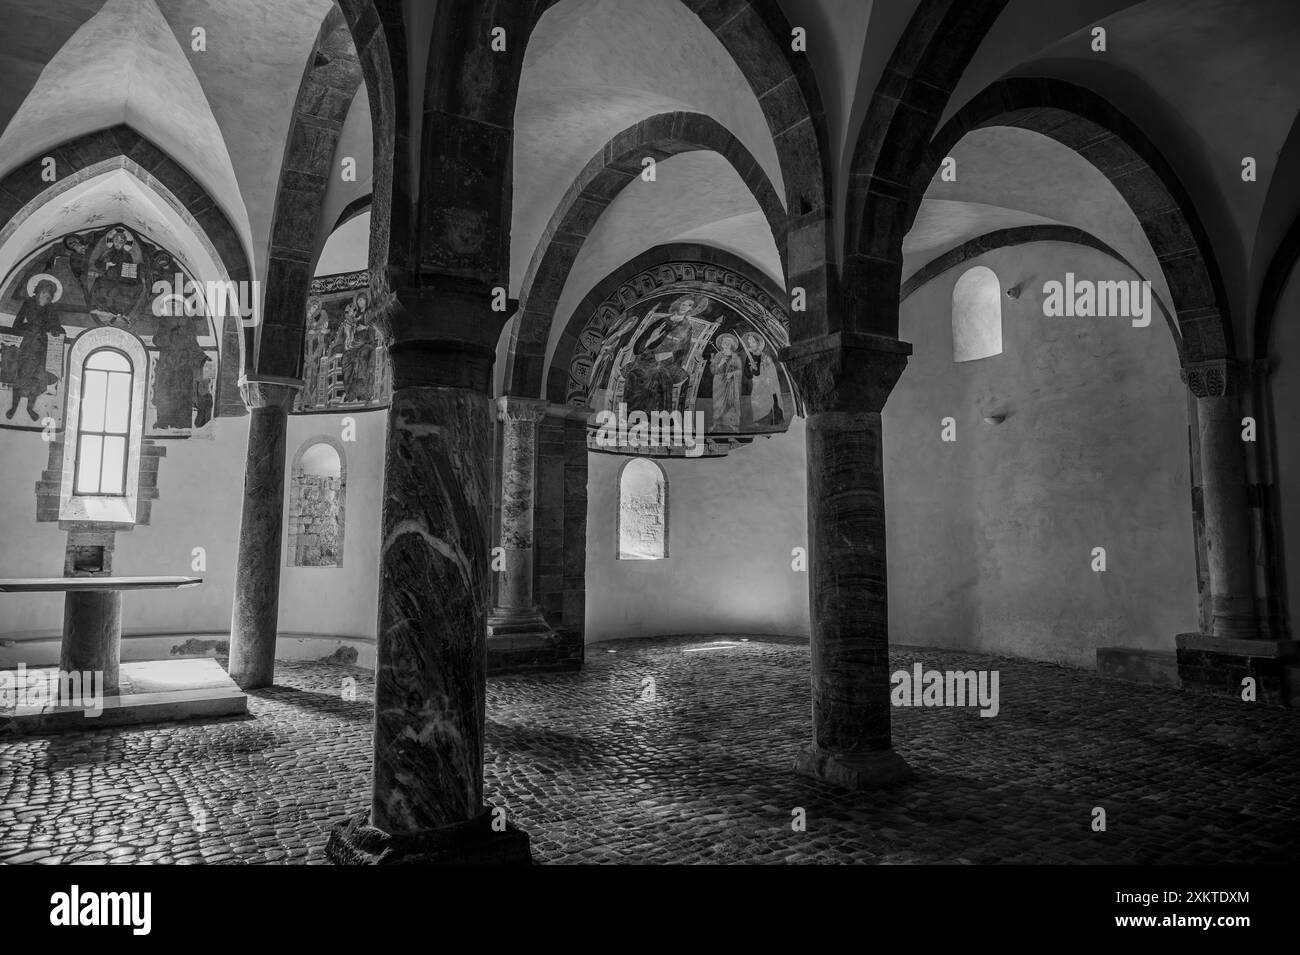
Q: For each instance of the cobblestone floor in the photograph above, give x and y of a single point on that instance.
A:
(597, 768)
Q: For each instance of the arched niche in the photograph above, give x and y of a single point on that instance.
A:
(317, 499)
(642, 511)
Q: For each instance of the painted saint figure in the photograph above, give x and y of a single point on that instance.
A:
(654, 377)
(318, 329)
(116, 276)
(765, 387)
(728, 371)
(180, 366)
(36, 320)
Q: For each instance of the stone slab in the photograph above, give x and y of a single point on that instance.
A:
(156, 691)
(28, 585)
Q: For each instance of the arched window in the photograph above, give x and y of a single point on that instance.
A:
(642, 511)
(976, 315)
(316, 499)
(104, 427)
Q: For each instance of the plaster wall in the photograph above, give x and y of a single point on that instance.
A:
(732, 524)
(201, 484)
(201, 487)
(339, 601)
(990, 537)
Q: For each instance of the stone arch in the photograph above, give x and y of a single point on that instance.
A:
(903, 114)
(329, 84)
(379, 39)
(1082, 121)
(300, 521)
(23, 191)
(612, 168)
(472, 90)
(566, 347)
(356, 207)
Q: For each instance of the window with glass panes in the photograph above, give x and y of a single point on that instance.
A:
(104, 427)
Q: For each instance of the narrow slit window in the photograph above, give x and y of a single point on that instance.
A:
(104, 427)
(976, 315)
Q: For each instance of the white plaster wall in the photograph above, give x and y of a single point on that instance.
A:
(1002, 169)
(27, 548)
(201, 488)
(990, 537)
(339, 601)
(732, 523)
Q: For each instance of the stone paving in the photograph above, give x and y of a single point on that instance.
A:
(661, 751)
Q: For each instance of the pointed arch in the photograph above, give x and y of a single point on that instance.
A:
(23, 192)
(125, 66)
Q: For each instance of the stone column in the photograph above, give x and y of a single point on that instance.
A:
(845, 379)
(516, 611)
(92, 634)
(1236, 647)
(1223, 495)
(430, 677)
(255, 616)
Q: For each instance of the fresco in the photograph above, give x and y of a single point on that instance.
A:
(344, 361)
(94, 278)
(700, 346)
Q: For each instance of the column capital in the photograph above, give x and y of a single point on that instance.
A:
(514, 408)
(269, 391)
(444, 333)
(1215, 378)
(846, 371)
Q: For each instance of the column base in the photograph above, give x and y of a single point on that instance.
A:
(356, 842)
(539, 650)
(1217, 665)
(882, 767)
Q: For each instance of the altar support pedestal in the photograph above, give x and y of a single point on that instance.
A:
(92, 634)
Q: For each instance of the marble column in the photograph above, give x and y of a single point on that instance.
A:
(255, 615)
(430, 677)
(845, 379)
(516, 611)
